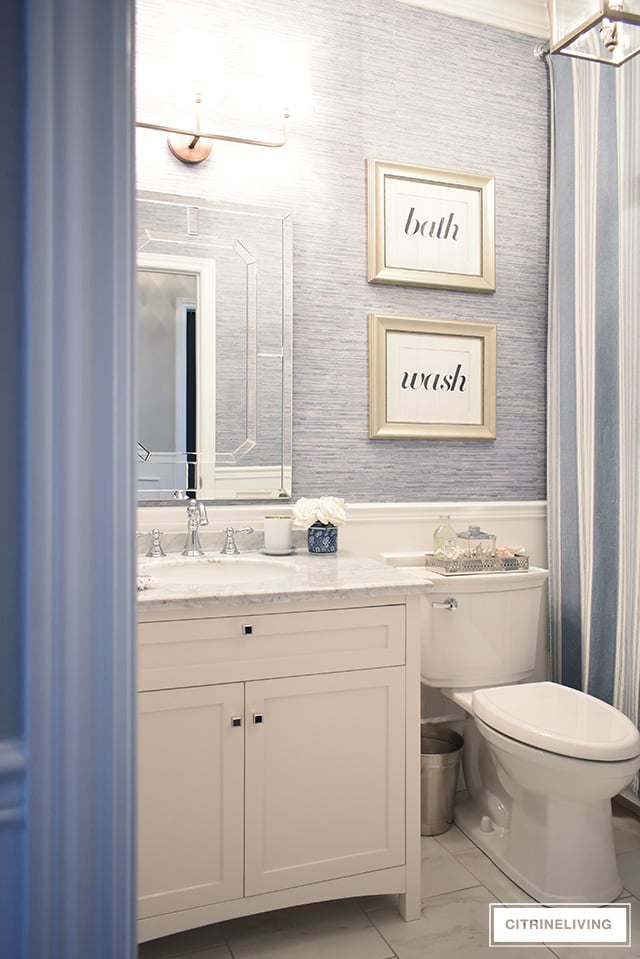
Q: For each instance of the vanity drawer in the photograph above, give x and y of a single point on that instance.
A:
(236, 648)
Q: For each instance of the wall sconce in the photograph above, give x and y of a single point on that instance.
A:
(607, 31)
(267, 78)
(194, 146)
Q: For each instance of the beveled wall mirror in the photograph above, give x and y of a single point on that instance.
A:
(214, 316)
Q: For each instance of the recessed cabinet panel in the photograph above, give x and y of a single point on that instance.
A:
(201, 651)
(190, 787)
(325, 779)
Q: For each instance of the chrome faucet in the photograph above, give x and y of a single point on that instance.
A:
(196, 517)
(230, 548)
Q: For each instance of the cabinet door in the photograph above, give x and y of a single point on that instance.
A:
(324, 777)
(190, 788)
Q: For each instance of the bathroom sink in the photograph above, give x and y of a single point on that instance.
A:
(216, 571)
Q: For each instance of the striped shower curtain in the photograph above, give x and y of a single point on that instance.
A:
(594, 380)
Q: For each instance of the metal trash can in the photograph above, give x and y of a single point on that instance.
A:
(440, 754)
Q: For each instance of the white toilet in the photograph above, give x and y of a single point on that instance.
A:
(541, 761)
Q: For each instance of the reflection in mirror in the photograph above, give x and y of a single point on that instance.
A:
(214, 349)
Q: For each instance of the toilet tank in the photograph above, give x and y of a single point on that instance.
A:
(490, 637)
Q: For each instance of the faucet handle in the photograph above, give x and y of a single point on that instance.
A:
(155, 548)
(229, 548)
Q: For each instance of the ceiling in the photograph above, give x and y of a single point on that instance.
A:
(522, 16)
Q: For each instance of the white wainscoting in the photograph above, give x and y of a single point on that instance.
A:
(374, 528)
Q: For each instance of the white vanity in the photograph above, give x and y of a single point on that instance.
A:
(278, 746)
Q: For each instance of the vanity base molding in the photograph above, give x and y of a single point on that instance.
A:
(278, 758)
(384, 882)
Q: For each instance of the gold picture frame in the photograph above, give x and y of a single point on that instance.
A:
(429, 227)
(431, 379)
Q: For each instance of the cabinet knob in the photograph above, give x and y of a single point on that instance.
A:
(247, 629)
(236, 721)
(257, 719)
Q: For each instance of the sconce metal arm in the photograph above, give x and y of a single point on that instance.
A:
(197, 135)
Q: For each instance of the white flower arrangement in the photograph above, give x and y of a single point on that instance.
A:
(326, 510)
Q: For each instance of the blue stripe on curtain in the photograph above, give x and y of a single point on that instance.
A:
(567, 629)
(593, 375)
(604, 585)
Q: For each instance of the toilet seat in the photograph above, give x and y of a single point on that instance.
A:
(559, 720)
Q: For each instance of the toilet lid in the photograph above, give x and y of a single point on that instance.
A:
(558, 719)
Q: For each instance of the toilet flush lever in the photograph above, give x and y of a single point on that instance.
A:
(449, 603)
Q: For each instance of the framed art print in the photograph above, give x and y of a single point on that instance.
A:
(431, 379)
(430, 227)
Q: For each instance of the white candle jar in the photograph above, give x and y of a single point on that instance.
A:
(277, 534)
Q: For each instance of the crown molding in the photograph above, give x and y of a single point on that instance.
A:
(530, 17)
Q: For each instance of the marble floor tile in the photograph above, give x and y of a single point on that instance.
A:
(337, 929)
(432, 848)
(442, 874)
(629, 867)
(213, 952)
(455, 841)
(492, 878)
(452, 926)
(367, 903)
(159, 949)
(185, 944)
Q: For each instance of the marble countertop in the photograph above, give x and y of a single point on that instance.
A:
(258, 579)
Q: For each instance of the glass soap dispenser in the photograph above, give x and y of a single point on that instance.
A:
(444, 538)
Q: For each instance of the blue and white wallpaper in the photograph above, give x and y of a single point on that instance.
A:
(402, 84)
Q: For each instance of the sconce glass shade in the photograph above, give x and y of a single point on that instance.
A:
(607, 31)
(199, 87)
(285, 81)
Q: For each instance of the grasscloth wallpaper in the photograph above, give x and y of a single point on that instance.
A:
(401, 84)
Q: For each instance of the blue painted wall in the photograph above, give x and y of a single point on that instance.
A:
(398, 83)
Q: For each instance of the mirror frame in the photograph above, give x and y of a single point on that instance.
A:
(204, 270)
